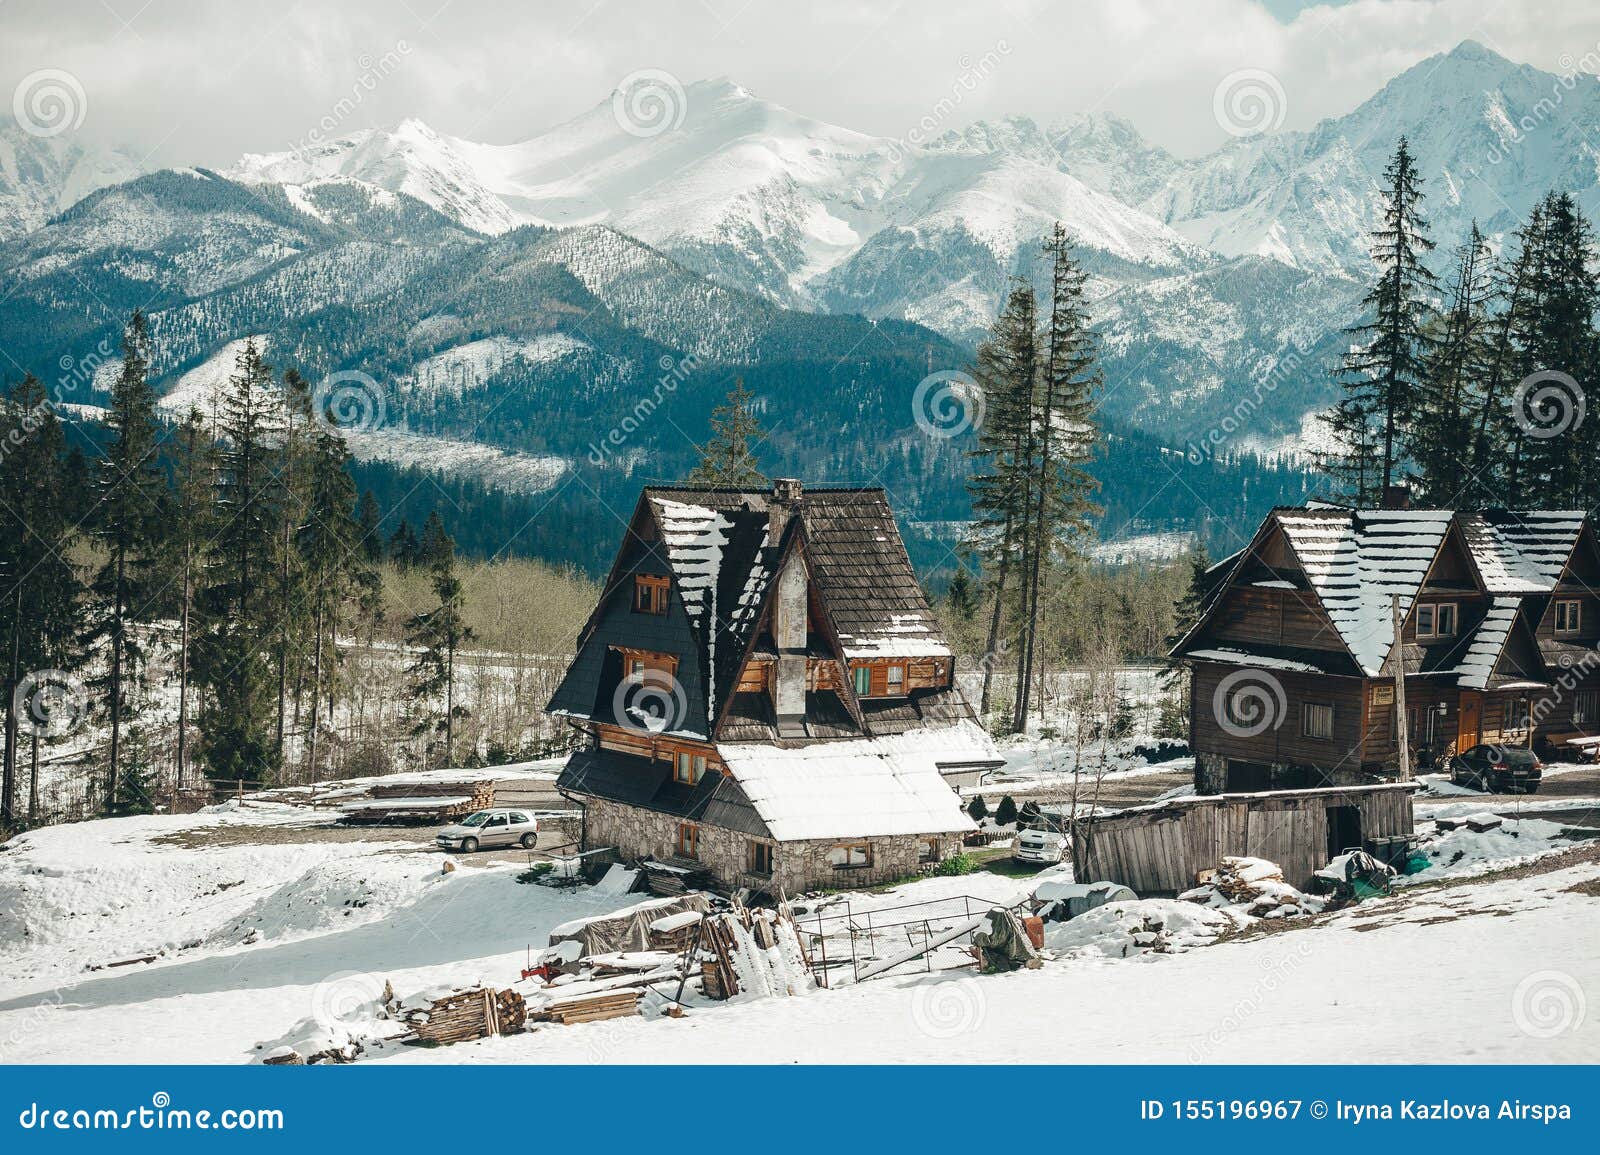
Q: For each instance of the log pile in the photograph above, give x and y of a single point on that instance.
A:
(1255, 884)
(462, 1016)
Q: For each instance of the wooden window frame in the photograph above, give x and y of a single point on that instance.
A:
(1450, 610)
(650, 593)
(689, 840)
(893, 688)
(1582, 698)
(1306, 731)
(858, 674)
(929, 850)
(755, 854)
(1575, 623)
(849, 848)
(696, 765)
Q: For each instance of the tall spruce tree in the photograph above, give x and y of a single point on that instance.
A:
(194, 480)
(438, 635)
(1383, 371)
(232, 660)
(1006, 371)
(291, 479)
(1441, 433)
(1062, 443)
(728, 459)
(39, 587)
(131, 525)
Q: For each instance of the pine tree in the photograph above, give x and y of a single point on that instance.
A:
(1063, 417)
(960, 597)
(232, 659)
(136, 786)
(333, 558)
(1006, 813)
(131, 525)
(1447, 408)
(439, 634)
(977, 809)
(289, 500)
(193, 522)
(1005, 371)
(39, 589)
(1383, 371)
(404, 548)
(436, 549)
(728, 459)
(368, 533)
(1498, 441)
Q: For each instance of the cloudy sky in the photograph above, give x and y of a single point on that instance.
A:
(200, 81)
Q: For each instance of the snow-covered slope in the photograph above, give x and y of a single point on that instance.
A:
(1490, 137)
(40, 176)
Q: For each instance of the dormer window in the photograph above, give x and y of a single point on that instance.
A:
(1569, 617)
(650, 593)
(897, 681)
(1436, 620)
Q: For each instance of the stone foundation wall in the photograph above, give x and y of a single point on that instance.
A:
(636, 833)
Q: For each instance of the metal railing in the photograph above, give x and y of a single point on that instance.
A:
(922, 929)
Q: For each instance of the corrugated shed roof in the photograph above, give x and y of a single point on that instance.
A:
(865, 788)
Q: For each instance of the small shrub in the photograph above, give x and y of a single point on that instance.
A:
(957, 864)
(1006, 813)
(977, 809)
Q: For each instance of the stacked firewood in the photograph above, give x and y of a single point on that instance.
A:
(462, 1016)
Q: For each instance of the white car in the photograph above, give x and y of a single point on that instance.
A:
(486, 828)
(1041, 841)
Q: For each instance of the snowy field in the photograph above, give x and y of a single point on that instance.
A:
(268, 926)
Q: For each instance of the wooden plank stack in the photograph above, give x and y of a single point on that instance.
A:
(592, 1008)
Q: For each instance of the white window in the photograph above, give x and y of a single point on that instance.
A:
(1316, 719)
(1436, 620)
(1569, 617)
(897, 679)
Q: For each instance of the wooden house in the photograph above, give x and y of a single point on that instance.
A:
(766, 697)
(1295, 656)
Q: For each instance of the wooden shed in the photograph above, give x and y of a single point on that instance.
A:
(1161, 849)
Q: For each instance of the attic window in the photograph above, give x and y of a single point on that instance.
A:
(1569, 617)
(897, 679)
(650, 594)
(687, 767)
(1436, 620)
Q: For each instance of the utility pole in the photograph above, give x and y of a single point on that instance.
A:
(1399, 655)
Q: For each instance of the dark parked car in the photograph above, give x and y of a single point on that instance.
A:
(1500, 769)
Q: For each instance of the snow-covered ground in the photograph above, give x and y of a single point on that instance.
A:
(266, 921)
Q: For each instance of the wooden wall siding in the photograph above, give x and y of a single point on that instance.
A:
(1552, 708)
(755, 678)
(1589, 630)
(1274, 617)
(625, 741)
(1284, 743)
(920, 674)
(1163, 852)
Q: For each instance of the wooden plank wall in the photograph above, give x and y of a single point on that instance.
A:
(1163, 852)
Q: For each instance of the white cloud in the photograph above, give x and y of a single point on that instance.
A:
(200, 82)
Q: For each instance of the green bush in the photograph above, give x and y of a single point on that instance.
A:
(1006, 813)
(978, 809)
(957, 864)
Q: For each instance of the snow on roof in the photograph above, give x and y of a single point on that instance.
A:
(1543, 539)
(695, 538)
(905, 636)
(1358, 561)
(1506, 568)
(1259, 661)
(1478, 663)
(870, 787)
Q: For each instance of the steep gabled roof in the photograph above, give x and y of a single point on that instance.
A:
(1358, 562)
(1477, 665)
(1521, 552)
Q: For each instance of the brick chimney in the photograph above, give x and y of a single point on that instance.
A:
(1396, 497)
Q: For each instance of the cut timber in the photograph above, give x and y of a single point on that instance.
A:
(465, 1015)
(592, 1008)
